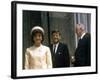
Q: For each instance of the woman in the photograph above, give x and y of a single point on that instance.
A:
(38, 56)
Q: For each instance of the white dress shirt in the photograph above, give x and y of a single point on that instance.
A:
(56, 47)
(82, 35)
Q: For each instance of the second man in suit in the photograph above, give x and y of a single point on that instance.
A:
(60, 53)
(82, 53)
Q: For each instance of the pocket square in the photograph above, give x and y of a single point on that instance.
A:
(59, 52)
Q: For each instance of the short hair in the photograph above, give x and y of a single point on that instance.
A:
(56, 31)
(81, 26)
(33, 33)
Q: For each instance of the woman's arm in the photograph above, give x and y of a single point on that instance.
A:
(26, 60)
(49, 59)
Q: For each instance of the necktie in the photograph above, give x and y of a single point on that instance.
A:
(54, 48)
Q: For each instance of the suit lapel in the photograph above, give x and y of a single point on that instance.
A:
(79, 41)
(52, 48)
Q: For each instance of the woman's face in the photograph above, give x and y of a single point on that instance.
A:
(37, 39)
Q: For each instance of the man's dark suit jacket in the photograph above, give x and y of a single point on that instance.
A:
(61, 57)
(82, 53)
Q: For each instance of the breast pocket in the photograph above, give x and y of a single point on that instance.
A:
(59, 53)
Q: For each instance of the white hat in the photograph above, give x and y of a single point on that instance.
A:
(37, 28)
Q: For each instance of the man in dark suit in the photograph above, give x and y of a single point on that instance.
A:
(82, 53)
(60, 53)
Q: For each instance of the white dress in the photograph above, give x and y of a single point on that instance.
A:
(38, 58)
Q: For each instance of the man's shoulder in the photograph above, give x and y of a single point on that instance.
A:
(87, 35)
(63, 44)
(50, 45)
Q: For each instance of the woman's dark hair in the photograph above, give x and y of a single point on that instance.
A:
(33, 33)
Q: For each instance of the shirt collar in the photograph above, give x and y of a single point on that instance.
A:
(56, 44)
(82, 35)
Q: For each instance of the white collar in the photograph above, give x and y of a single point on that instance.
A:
(56, 44)
(56, 47)
(82, 35)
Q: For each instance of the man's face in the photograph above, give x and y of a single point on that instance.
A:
(78, 31)
(55, 37)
